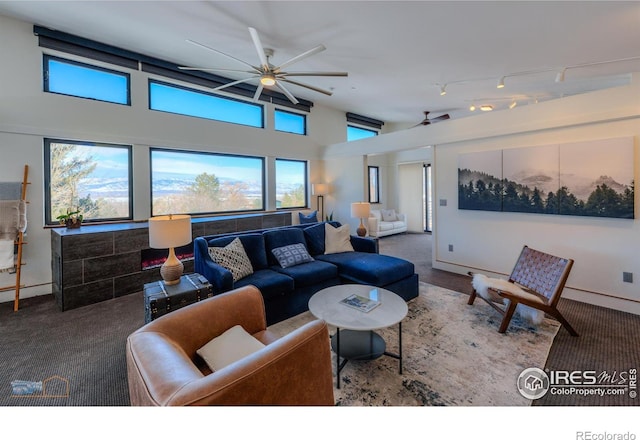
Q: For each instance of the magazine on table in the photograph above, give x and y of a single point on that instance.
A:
(361, 303)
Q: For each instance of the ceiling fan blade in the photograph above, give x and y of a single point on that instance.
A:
(233, 83)
(440, 118)
(313, 73)
(259, 48)
(286, 92)
(307, 86)
(254, 68)
(256, 95)
(302, 56)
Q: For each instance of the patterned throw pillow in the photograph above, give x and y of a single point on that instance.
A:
(292, 255)
(234, 258)
(312, 217)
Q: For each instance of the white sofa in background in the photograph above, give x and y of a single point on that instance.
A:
(383, 222)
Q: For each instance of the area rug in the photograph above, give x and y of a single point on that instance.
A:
(453, 355)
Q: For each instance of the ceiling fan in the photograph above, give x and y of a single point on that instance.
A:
(268, 74)
(428, 120)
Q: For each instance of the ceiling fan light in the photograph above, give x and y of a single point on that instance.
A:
(268, 80)
(500, 83)
(486, 107)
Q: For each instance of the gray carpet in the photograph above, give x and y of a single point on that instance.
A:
(85, 347)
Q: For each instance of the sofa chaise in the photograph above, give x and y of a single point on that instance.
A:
(287, 290)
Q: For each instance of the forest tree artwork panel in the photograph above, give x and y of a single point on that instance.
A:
(594, 178)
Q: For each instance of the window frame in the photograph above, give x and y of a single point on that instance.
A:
(207, 153)
(306, 182)
(376, 171)
(303, 116)
(203, 92)
(48, 221)
(46, 79)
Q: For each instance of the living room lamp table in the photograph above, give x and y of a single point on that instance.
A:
(355, 337)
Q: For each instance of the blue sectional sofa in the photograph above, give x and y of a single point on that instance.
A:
(286, 291)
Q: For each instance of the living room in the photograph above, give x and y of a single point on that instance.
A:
(603, 248)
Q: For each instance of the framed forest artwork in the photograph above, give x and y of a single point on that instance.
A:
(593, 178)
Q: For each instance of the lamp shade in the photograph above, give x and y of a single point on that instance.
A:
(168, 231)
(360, 209)
(319, 189)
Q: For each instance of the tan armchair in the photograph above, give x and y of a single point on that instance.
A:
(164, 369)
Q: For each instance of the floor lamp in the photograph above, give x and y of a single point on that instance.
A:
(170, 231)
(361, 210)
(320, 190)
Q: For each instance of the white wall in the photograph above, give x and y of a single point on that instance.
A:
(28, 115)
(490, 242)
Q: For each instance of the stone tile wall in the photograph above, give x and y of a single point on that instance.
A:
(99, 262)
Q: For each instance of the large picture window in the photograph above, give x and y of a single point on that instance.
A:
(190, 102)
(291, 183)
(85, 81)
(92, 178)
(188, 182)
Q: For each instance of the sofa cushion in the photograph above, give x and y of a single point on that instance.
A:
(229, 347)
(398, 224)
(292, 255)
(281, 237)
(270, 283)
(389, 215)
(385, 226)
(312, 217)
(366, 268)
(314, 236)
(308, 274)
(253, 245)
(232, 257)
(337, 239)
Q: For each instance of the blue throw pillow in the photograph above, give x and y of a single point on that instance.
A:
(312, 217)
(292, 255)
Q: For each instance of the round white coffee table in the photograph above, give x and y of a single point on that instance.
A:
(355, 338)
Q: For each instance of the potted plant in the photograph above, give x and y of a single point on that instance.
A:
(72, 219)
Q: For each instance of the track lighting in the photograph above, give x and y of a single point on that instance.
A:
(513, 104)
(500, 83)
(560, 75)
(472, 107)
(443, 90)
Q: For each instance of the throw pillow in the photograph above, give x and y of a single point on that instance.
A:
(389, 215)
(229, 347)
(292, 255)
(234, 258)
(337, 239)
(312, 217)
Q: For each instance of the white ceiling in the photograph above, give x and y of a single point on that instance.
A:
(398, 54)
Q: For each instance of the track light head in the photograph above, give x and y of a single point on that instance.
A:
(500, 83)
(486, 107)
(513, 104)
(560, 75)
(443, 90)
(472, 107)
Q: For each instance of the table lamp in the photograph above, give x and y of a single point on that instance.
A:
(320, 190)
(361, 210)
(170, 231)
